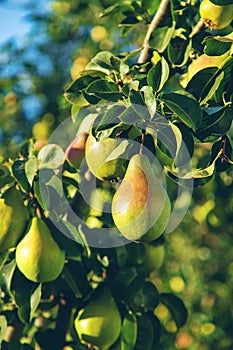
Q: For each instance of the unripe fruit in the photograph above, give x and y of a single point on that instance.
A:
(97, 153)
(38, 256)
(14, 216)
(75, 152)
(99, 323)
(154, 256)
(141, 207)
(215, 16)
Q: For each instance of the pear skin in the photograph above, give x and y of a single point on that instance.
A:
(38, 256)
(96, 154)
(14, 217)
(141, 207)
(215, 16)
(75, 152)
(99, 323)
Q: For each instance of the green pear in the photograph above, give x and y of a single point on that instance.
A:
(141, 207)
(154, 256)
(75, 152)
(215, 16)
(38, 256)
(99, 323)
(97, 153)
(14, 217)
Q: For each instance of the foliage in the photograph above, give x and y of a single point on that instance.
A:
(144, 98)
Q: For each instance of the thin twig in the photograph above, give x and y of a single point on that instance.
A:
(200, 24)
(154, 23)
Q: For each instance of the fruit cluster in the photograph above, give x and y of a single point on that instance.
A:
(140, 206)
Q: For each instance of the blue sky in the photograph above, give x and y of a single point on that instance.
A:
(12, 21)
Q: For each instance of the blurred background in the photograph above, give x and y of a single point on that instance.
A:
(43, 47)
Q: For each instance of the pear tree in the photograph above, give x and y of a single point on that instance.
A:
(83, 214)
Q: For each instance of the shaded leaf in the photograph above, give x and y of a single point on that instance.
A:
(145, 336)
(161, 37)
(176, 307)
(105, 90)
(179, 50)
(158, 75)
(129, 332)
(217, 46)
(185, 108)
(18, 170)
(204, 84)
(215, 124)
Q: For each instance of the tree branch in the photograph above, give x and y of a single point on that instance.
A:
(154, 23)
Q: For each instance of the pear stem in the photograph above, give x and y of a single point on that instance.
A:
(198, 27)
(144, 55)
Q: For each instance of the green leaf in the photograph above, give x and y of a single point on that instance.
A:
(147, 297)
(204, 84)
(130, 117)
(101, 62)
(146, 333)
(138, 105)
(7, 272)
(105, 90)
(111, 116)
(74, 93)
(215, 124)
(51, 157)
(116, 8)
(179, 51)
(19, 173)
(222, 2)
(218, 45)
(150, 99)
(176, 307)
(129, 332)
(26, 294)
(3, 327)
(158, 75)
(5, 176)
(76, 278)
(187, 109)
(122, 280)
(199, 176)
(118, 151)
(161, 37)
(31, 169)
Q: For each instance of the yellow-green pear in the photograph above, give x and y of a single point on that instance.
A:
(13, 217)
(38, 256)
(99, 323)
(141, 207)
(215, 16)
(97, 153)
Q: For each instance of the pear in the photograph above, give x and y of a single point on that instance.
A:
(215, 16)
(141, 207)
(154, 256)
(14, 217)
(75, 152)
(38, 256)
(97, 153)
(99, 323)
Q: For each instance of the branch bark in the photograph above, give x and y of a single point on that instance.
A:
(144, 55)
